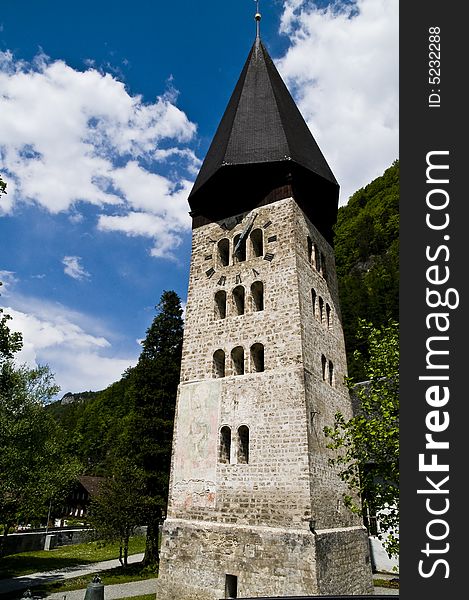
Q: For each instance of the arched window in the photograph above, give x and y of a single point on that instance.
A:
(219, 364)
(224, 252)
(225, 445)
(323, 265)
(309, 243)
(314, 300)
(239, 251)
(323, 367)
(243, 445)
(257, 242)
(331, 373)
(239, 299)
(321, 310)
(257, 293)
(316, 259)
(257, 358)
(328, 316)
(237, 359)
(220, 304)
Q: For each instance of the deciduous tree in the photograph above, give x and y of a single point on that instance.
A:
(367, 445)
(33, 467)
(119, 507)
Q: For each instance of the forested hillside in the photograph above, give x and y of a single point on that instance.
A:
(367, 258)
(94, 422)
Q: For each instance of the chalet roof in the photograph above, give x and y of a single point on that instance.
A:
(91, 484)
(261, 128)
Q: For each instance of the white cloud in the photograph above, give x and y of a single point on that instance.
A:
(160, 209)
(69, 341)
(342, 67)
(7, 279)
(73, 268)
(72, 136)
(85, 370)
(75, 217)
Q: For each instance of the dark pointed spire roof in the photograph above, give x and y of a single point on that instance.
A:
(262, 133)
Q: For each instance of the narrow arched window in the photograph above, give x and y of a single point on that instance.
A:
(239, 299)
(331, 373)
(225, 445)
(314, 300)
(223, 252)
(321, 310)
(309, 243)
(257, 293)
(219, 364)
(316, 259)
(323, 265)
(328, 316)
(239, 249)
(220, 304)
(323, 367)
(237, 360)
(257, 358)
(243, 445)
(257, 242)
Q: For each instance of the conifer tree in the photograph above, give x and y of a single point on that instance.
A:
(154, 388)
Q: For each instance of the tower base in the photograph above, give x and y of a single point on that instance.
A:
(209, 561)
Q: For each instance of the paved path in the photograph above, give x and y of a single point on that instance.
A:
(111, 592)
(29, 581)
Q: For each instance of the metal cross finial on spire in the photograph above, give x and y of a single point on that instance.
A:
(258, 17)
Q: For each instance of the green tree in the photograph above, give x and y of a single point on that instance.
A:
(10, 342)
(154, 387)
(367, 445)
(33, 467)
(3, 187)
(119, 508)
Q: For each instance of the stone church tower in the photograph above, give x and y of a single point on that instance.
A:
(254, 508)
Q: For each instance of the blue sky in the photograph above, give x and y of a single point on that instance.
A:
(106, 112)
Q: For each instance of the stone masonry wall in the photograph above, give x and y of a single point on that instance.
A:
(273, 487)
(275, 519)
(266, 561)
(278, 326)
(343, 562)
(322, 337)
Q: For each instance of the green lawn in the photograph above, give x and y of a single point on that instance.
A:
(65, 556)
(387, 583)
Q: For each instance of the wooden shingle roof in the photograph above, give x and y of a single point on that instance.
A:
(263, 134)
